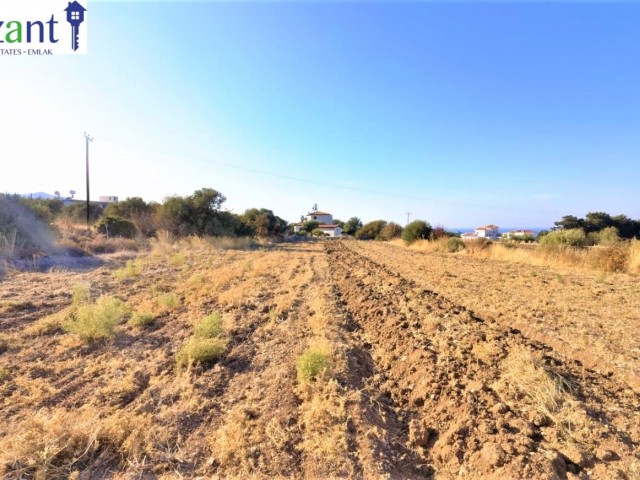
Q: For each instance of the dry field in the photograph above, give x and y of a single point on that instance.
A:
(335, 359)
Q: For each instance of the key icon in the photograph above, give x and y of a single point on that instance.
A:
(75, 16)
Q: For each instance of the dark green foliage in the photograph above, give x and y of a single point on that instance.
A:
(77, 212)
(197, 214)
(263, 223)
(371, 230)
(390, 231)
(129, 208)
(416, 230)
(352, 226)
(598, 221)
(316, 232)
(113, 226)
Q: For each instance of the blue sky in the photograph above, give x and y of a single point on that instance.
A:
(461, 113)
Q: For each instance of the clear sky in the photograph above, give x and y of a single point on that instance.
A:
(462, 113)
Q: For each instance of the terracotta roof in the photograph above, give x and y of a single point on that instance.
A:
(318, 213)
(488, 227)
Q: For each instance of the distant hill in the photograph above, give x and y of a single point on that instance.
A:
(46, 196)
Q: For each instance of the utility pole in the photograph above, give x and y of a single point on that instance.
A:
(88, 139)
(408, 213)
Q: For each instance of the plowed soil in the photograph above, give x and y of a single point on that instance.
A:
(442, 366)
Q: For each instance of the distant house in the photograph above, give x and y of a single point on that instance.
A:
(488, 231)
(519, 234)
(325, 221)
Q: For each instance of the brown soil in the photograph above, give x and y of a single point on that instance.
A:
(442, 366)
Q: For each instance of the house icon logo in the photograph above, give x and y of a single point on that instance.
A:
(75, 16)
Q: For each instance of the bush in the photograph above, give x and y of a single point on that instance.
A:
(316, 232)
(199, 350)
(454, 244)
(313, 364)
(416, 230)
(142, 319)
(112, 226)
(81, 294)
(390, 231)
(95, 321)
(130, 270)
(607, 236)
(4, 345)
(574, 237)
(371, 230)
(209, 327)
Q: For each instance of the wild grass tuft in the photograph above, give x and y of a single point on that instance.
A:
(169, 300)
(142, 319)
(313, 364)
(95, 321)
(4, 344)
(132, 269)
(199, 350)
(4, 375)
(209, 327)
(81, 294)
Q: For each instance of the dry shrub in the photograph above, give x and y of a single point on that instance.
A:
(611, 258)
(633, 257)
(544, 388)
(4, 344)
(477, 246)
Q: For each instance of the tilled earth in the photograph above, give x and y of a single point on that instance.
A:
(429, 378)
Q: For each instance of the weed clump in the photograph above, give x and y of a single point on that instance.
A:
(4, 345)
(95, 321)
(209, 327)
(132, 269)
(205, 345)
(313, 364)
(81, 294)
(199, 350)
(142, 319)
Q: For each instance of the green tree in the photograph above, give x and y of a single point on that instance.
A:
(352, 226)
(596, 221)
(197, 214)
(371, 230)
(416, 230)
(264, 222)
(569, 222)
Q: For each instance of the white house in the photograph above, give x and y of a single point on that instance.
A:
(325, 221)
(488, 231)
(519, 233)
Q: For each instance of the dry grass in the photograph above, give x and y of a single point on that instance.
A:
(57, 444)
(543, 387)
(199, 350)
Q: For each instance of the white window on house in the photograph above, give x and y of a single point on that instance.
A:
(75, 15)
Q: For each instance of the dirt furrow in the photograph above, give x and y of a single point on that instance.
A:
(456, 381)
